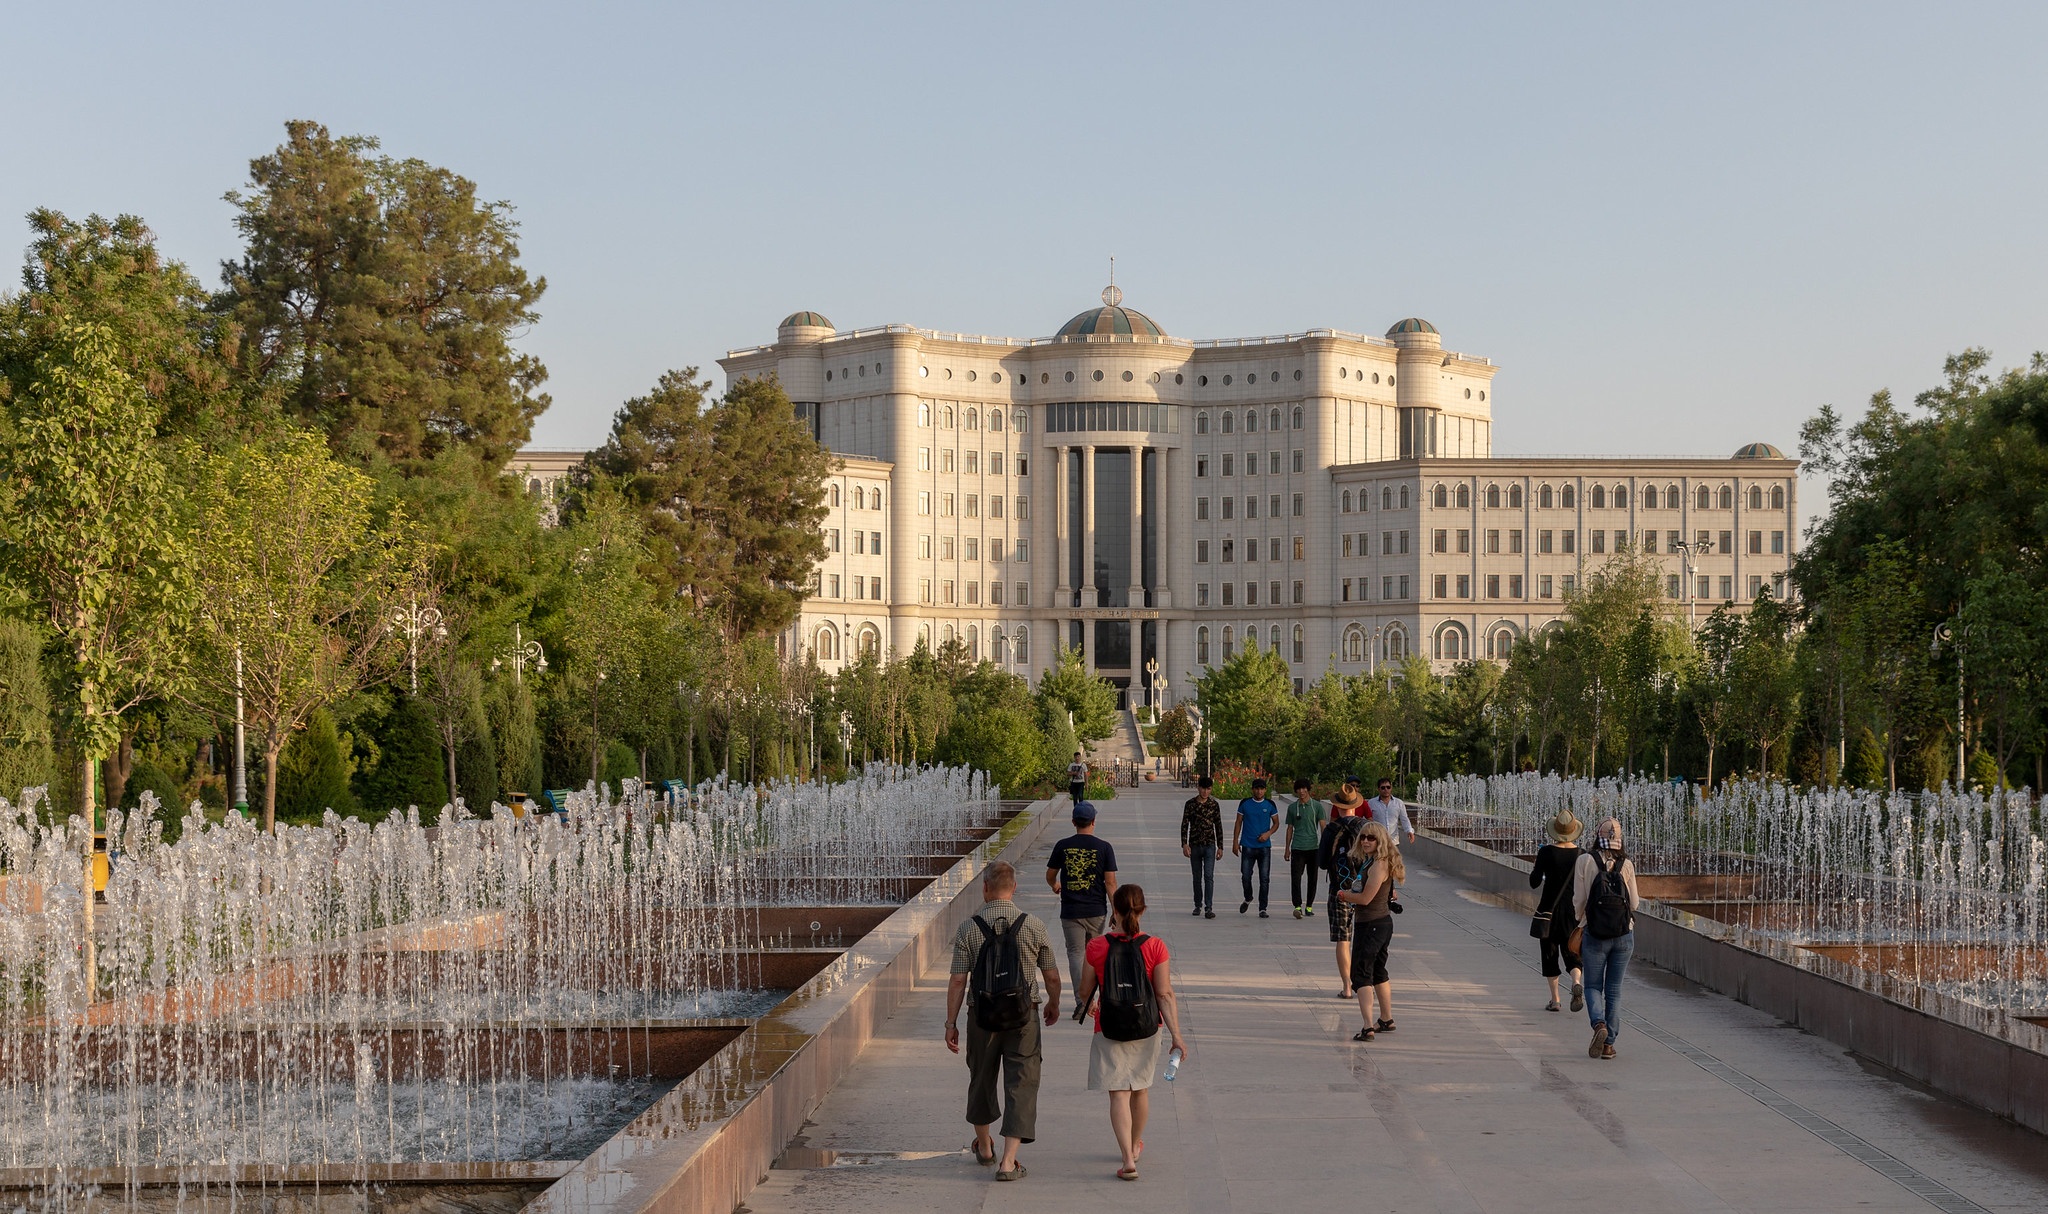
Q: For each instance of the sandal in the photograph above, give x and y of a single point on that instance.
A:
(1139, 1153)
(1016, 1173)
(1551, 1006)
(1127, 1173)
(1384, 1026)
(1364, 1034)
(983, 1160)
(1346, 995)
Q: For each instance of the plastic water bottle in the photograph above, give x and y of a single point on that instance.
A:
(1172, 1065)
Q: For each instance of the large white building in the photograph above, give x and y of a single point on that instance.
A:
(1327, 494)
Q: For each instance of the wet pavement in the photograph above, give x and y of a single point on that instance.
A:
(1480, 1101)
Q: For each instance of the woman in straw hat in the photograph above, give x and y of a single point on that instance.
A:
(1553, 923)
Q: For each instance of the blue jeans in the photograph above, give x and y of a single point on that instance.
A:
(1606, 961)
(1262, 858)
(1202, 861)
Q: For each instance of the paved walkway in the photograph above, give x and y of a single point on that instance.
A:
(1481, 1101)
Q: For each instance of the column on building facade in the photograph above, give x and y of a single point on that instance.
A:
(1137, 587)
(1162, 545)
(1088, 526)
(1060, 538)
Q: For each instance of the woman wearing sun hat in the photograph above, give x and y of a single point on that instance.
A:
(1553, 923)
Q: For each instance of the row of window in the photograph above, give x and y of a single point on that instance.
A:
(1395, 639)
(971, 505)
(827, 586)
(970, 418)
(1702, 544)
(1251, 593)
(1228, 419)
(970, 461)
(865, 543)
(1071, 416)
(1005, 646)
(971, 592)
(1597, 497)
(1251, 506)
(864, 498)
(1251, 550)
(1251, 463)
(1020, 553)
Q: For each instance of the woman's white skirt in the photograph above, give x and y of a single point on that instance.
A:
(1124, 1066)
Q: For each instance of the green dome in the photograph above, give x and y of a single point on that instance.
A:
(1759, 451)
(1413, 324)
(1101, 321)
(812, 319)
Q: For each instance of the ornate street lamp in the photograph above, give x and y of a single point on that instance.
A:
(1945, 634)
(415, 622)
(522, 652)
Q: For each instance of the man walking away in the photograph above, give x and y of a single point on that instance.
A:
(1003, 1021)
(1082, 871)
(1201, 841)
(1305, 820)
(1258, 819)
(1391, 812)
(1077, 777)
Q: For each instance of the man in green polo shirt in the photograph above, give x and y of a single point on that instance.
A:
(1305, 820)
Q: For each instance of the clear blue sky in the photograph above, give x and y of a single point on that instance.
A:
(1677, 227)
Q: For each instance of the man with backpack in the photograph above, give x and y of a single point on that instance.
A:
(1003, 970)
(1082, 871)
(1077, 778)
(1604, 899)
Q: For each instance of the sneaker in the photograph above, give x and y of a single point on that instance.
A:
(1297, 912)
(1607, 1051)
(1599, 1041)
(1264, 915)
(1208, 914)
(1578, 997)
(1309, 911)
(1198, 912)
(1551, 1006)
(1242, 907)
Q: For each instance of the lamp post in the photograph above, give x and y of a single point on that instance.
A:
(1685, 562)
(1946, 634)
(522, 652)
(1152, 682)
(415, 622)
(846, 737)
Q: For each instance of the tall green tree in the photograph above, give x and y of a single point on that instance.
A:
(2005, 654)
(1765, 683)
(88, 528)
(1250, 706)
(1067, 687)
(380, 298)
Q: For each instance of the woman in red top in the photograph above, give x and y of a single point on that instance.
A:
(1124, 1069)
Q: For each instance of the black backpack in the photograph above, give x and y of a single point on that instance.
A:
(1129, 1009)
(1607, 914)
(1001, 990)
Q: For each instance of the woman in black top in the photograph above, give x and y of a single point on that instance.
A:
(1553, 871)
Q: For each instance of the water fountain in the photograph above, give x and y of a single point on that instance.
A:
(1935, 904)
(355, 1008)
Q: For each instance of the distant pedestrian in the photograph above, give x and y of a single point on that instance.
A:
(1077, 778)
(1554, 920)
(1082, 871)
(1374, 868)
(1391, 812)
(1201, 841)
(1130, 969)
(1333, 856)
(1604, 900)
(1305, 818)
(1258, 820)
(1004, 970)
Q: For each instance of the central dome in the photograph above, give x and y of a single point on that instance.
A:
(1120, 321)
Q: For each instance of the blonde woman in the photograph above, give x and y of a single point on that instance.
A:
(1604, 901)
(1368, 873)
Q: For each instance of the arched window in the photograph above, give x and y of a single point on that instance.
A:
(1777, 497)
(1354, 644)
(1297, 643)
(1702, 500)
(1450, 644)
(995, 420)
(1756, 497)
(1347, 501)
(826, 645)
(1297, 417)
(1404, 497)
(1273, 638)
(1440, 497)
(973, 643)
(1543, 498)
(1226, 642)
(1202, 422)
(924, 416)
(1022, 421)
(835, 495)
(1397, 644)
(1727, 497)
(1649, 497)
(1493, 497)
(1502, 644)
(1568, 497)
(1599, 497)
(1273, 420)
(1251, 421)
(875, 500)
(1464, 497)
(870, 641)
(1671, 499)
(1229, 422)
(1023, 646)
(924, 637)
(946, 418)
(1514, 497)
(533, 486)
(1202, 645)
(998, 644)
(1251, 638)
(860, 498)
(1621, 497)
(1387, 497)
(973, 419)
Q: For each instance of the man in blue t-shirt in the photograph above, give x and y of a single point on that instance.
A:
(1252, 843)
(1082, 871)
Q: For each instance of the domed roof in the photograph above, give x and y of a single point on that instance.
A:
(1414, 324)
(812, 319)
(1759, 451)
(1107, 320)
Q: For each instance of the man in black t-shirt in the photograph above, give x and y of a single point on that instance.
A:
(1082, 871)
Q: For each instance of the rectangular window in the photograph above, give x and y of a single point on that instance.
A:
(1251, 594)
(875, 588)
(1229, 507)
(946, 591)
(1023, 599)
(973, 547)
(1756, 545)
(1386, 543)
(1023, 469)
(924, 590)
(1229, 594)
(1386, 587)
(874, 543)
(1727, 545)
(1251, 507)
(1543, 586)
(1201, 467)
(945, 461)
(1727, 588)
(1023, 508)
(1201, 594)
(1671, 586)
(974, 463)
(1650, 540)
(1440, 540)
(1201, 507)
(945, 505)
(1273, 462)
(1571, 542)
(1297, 505)
(1777, 543)
(1568, 583)
(1543, 542)
(1404, 586)
(1464, 541)
(924, 459)
(1226, 465)
(1401, 544)
(945, 547)
(1272, 552)
(1514, 585)
(1229, 551)
(974, 594)
(1344, 590)
(1701, 543)
(1756, 585)
(1514, 541)
(1273, 593)
(1464, 585)
(995, 463)
(1440, 586)
(995, 594)
(833, 581)
(1671, 541)
(1022, 554)
(974, 505)
(1778, 586)
(1493, 585)
(860, 543)
(1201, 552)
(1347, 545)
(860, 584)
(1492, 540)
(995, 505)
(1702, 587)
(924, 503)
(1300, 545)
(1599, 538)
(1297, 459)
(1251, 463)
(1299, 587)
(1273, 506)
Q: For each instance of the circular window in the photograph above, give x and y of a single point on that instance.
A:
(1468, 394)
(878, 368)
(1226, 381)
(1482, 394)
(1297, 377)
(863, 370)
(949, 372)
(1202, 382)
(1390, 378)
(995, 377)
(924, 372)
(1155, 377)
(972, 376)
(846, 372)
(1276, 377)
(1127, 377)
(1098, 377)
(1044, 378)
(1070, 377)
(828, 377)
(1177, 377)
(1343, 373)
(1375, 377)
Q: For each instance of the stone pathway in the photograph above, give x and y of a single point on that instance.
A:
(1481, 1101)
